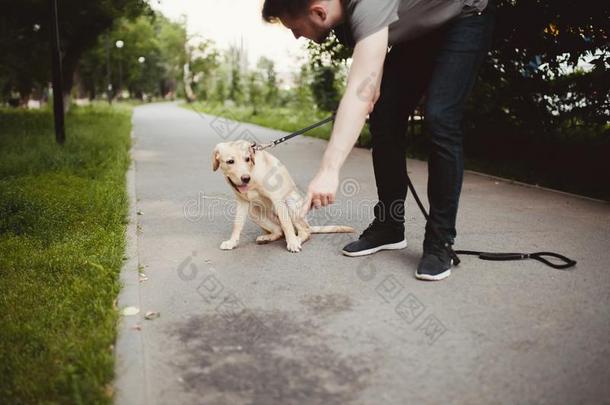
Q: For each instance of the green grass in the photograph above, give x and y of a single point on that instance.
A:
(287, 119)
(62, 236)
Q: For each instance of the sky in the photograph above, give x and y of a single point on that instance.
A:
(228, 21)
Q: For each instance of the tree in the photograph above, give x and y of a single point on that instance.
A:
(235, 60)
(140, 58)
(204, 64)
(235, 90)
(534, 80)
(25, 35)
(303, 97)
(267, 69)
(534, 65)
(172, 41)
(255, 91)
(327, 61)
(220, 90)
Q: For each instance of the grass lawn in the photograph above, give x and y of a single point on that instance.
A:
(283, 118)
(62, 236)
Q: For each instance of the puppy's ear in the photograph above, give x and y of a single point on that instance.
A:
(215, 159)
(252, 153)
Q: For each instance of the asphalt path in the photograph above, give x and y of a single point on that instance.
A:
(261, 325)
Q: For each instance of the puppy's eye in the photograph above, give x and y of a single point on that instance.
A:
(248, 159)
(230, 161)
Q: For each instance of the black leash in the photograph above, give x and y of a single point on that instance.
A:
(564, 262)
(540, 256)
(292, 135)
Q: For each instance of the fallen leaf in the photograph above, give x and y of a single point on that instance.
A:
(150, 315)
(109, 391)
(129, 311)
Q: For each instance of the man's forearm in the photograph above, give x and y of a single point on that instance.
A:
(349, 122)
(360, 95)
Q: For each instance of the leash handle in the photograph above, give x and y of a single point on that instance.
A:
(568, 263)
(565, 262)
(540, 256)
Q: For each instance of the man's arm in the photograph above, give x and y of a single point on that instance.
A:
(361, 93)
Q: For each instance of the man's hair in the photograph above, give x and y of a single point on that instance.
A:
(274, 9)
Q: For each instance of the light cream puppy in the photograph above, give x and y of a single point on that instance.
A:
(264, 191)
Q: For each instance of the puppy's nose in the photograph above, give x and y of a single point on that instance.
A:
(245, 179)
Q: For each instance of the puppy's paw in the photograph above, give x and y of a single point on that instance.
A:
(261, 240)
(294, 246)
(229, 244)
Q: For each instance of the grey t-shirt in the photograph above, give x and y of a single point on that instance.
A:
(406, 19)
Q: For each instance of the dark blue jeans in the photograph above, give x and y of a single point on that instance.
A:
(441, 66)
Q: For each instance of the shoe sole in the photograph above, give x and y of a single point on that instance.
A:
(436, 277)
(389, 246)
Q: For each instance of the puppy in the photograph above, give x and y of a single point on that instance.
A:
(264, 191)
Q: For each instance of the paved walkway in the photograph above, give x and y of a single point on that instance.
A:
(260, 325)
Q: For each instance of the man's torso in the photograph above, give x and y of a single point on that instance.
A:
(406, 19)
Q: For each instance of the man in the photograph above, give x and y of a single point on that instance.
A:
(437, 47)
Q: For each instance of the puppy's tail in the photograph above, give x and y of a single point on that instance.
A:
(332, 229)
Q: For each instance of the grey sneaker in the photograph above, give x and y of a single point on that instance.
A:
(375, 238)
(434, 265)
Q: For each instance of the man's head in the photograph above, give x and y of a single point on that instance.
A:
(312, 19)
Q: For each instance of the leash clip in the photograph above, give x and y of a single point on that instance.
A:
(263, 146)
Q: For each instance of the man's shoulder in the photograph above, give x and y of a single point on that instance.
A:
(365, 17)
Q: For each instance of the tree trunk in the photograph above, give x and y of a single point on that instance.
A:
(67, 101)
(70, 61)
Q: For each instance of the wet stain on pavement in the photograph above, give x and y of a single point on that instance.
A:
(281, 361)
(327, 304)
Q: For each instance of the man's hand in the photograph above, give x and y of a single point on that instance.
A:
(322, 190)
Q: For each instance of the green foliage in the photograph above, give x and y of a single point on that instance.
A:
(172, 41)
(267, 70)
(532, 81)
(62, 222)
(25, 33)
(220, 91)
(324, 88)
(283, 118)
(159, 41)
(327, 64)
(231, 80)
(302, 97)
(255, 91)
(235, 89)
(204, 62)
(536, 114)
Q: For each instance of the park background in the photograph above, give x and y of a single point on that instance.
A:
(538, 114)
